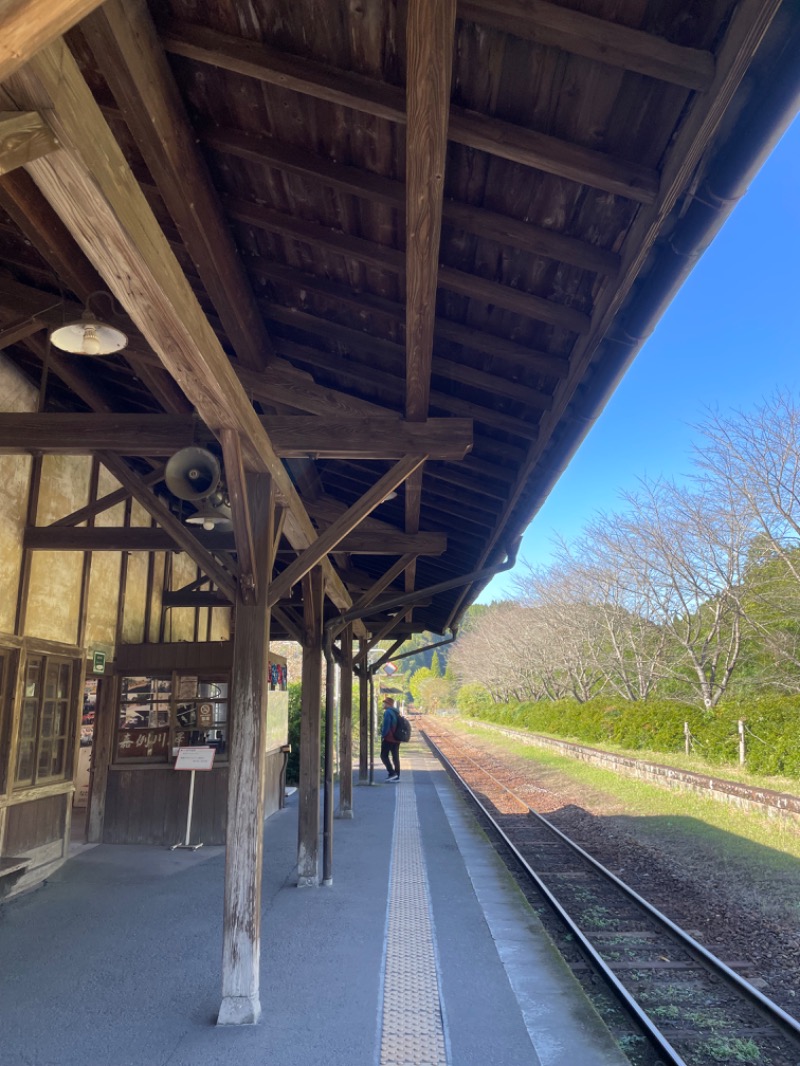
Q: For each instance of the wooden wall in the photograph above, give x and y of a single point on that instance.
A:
(71, 604)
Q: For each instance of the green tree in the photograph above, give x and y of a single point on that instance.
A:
(436, 667)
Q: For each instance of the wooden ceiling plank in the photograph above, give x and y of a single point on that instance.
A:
(338, 530)
(429, 35)
(28, 25)
(450, 369)
(360, 375)
(24, 136)
(374, 187)
(594, 38)
(48, 234)
(129, 54)
(240, 512)
(381, 257)
(455, 332)
(92, 189)
(743, 37)
(384, 437)
(484, 132)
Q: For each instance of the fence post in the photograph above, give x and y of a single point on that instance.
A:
(741, 742)
(687, 737)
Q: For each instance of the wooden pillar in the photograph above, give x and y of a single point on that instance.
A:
(102, 756)
(345, 809)
(363, 717)
(241, 933)
(308, 825)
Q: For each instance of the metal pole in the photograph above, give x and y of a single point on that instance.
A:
(189, 812)
(371, 727)
(327, 810)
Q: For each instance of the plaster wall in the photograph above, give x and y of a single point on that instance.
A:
(136, 585)
(55, 583)
(17, 395)
(103, 601)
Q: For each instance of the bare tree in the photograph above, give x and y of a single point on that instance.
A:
(683, 554)
(755, 457)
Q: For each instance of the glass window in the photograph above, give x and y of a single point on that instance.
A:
(158, 715)
(45, 722)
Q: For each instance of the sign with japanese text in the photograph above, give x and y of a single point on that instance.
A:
(195, 758)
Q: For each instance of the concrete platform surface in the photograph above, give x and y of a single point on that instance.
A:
(422, 952)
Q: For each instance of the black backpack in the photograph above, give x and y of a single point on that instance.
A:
(402, 729)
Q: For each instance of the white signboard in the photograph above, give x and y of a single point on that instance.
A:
(195, 758)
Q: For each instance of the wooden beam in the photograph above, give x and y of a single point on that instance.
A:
(14, 334)
(374, 187)
(429, 35)
(338, 530)
(92, 188)
(594, 38)
(110, 500)
(142, 538)
(24, 136)
(28, 25)
(241, 928)
(242, 528)
(179, 533)
(129, 54)
(387, 437)
(345, 808)
(310, 733)
(743, 36)
(392, 261)
(489, 344)
(485, 132)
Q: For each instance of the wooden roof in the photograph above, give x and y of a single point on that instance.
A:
(379, 246)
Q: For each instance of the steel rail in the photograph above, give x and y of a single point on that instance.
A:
(776, 1014)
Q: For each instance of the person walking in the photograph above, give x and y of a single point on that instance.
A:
(390, 748)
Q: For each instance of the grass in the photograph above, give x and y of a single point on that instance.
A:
(689, 813)
(694, 763)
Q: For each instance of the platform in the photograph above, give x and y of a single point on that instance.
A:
(421, 952)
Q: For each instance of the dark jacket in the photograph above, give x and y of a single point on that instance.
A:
(388, 724)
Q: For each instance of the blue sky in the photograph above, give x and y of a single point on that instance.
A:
(729, 338)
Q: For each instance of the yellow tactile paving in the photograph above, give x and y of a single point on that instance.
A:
(412, 1032)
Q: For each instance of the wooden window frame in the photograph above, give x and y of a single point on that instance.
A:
(167, 759)
(68, 733)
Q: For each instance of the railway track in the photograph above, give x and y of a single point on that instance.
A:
(691, 1008)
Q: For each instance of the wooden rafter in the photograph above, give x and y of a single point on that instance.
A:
(24, 135)
(429, 33)
(240, 511)
(128, 51)
(338, 530)
(479, 221)
(91, 188)
(382, 258)
(487, 133)
(594, 38)
(744, 34)
(28, 25)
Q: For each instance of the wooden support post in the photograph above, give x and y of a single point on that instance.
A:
(241, 935)
(363, 715)
(345, 809)
(102, 752)
(310, 732)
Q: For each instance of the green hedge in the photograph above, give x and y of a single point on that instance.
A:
(772, 726)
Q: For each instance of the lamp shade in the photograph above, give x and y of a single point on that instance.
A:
(88, 336)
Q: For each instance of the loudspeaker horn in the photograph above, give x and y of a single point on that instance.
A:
(192, 474)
